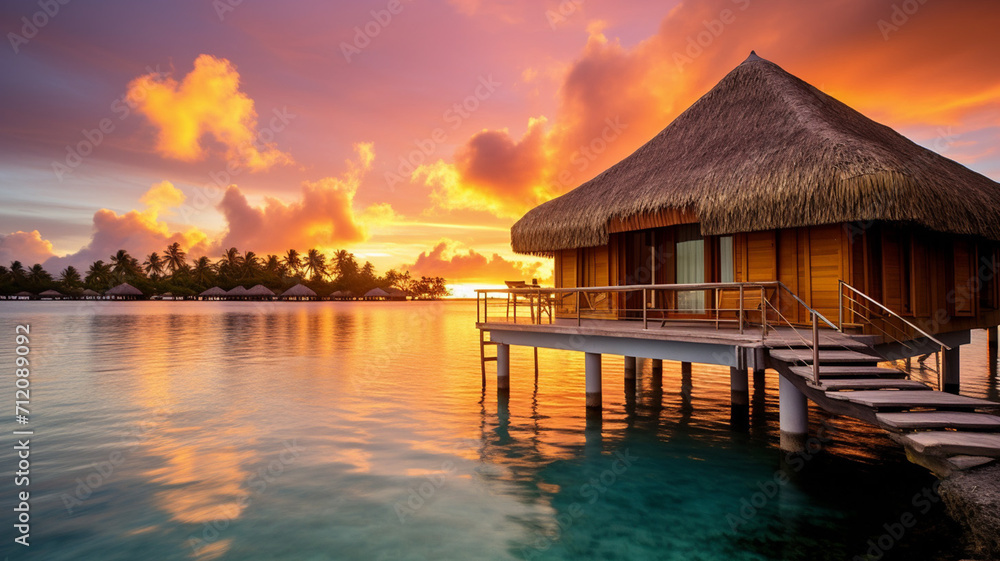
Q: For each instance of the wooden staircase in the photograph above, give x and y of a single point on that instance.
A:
(941, 431)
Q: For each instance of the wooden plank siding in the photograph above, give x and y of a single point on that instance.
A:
(934, 280)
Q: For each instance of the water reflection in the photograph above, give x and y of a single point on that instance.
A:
(406, 455)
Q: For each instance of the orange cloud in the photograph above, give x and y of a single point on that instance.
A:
(469, 266)
(137, 231)
(323, 217)
(208, 101)
(27, 247)
(614, 98)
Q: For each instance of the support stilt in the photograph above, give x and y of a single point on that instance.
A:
(630, 366)
(503, 366)
(592, 366)
(793, 414)
(950, 370)
(657, 366)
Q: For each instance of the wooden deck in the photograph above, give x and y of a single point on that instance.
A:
(682, 331)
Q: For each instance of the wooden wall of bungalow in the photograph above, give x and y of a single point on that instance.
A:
(938, 281)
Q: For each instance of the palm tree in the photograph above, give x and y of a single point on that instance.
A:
(231, 264)
(251, 265)
(174, 257)
(124, 266)
(315, 263)
(17, 270)
(154, 265)
(274, 266)
(203, 271)
(345, 264)
(38, 275)
(293, 261)
(99, 274)
(70, 277)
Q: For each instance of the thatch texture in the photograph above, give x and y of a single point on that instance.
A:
(237, 291)
(215, 291)
(376, 293)
(90, 293)
(764, 150)
(299, 291)
(124, 289)
(260, 291)
(50, 294)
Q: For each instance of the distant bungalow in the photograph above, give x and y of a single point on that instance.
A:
(298, 292)
(124, 291)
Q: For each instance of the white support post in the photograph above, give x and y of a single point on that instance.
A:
(793, 415)
(592, 365)
(503, 366)
(630, 367)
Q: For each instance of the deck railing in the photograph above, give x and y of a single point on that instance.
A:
(741, 305)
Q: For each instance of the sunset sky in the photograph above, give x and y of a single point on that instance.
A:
(414, 133)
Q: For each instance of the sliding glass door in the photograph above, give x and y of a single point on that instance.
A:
(690, 268)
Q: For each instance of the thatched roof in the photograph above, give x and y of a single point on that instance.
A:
(23, 294)
(260, 290)
(50, 294)
(214, 291)
(764, 150)
(238, 290)
(89, 292)
(124, 289)
(299, 291)
(342, 294)
(376, 293)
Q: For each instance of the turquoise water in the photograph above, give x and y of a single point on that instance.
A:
(314, 431)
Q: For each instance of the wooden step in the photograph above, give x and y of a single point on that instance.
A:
(917, 420)
(805, 356)
(869, 384)
(951, 443)
(906, 399)
(489, 359)
(842, 371)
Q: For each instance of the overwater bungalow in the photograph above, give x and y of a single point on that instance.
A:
(769, 226)
(89, 294)
(298, 292)
(124, 291)
(342, 295)
(376, 294)
(260, 292)
(50, 295)
(214, 293)
(238, 292)
(23, 295)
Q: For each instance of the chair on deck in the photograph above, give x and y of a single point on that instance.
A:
(545, 305)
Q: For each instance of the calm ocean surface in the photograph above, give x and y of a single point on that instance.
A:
(314, 431)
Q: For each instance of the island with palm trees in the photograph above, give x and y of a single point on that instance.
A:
(173, 275)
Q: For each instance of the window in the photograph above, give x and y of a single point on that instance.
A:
(726, 259)
(690, 267)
